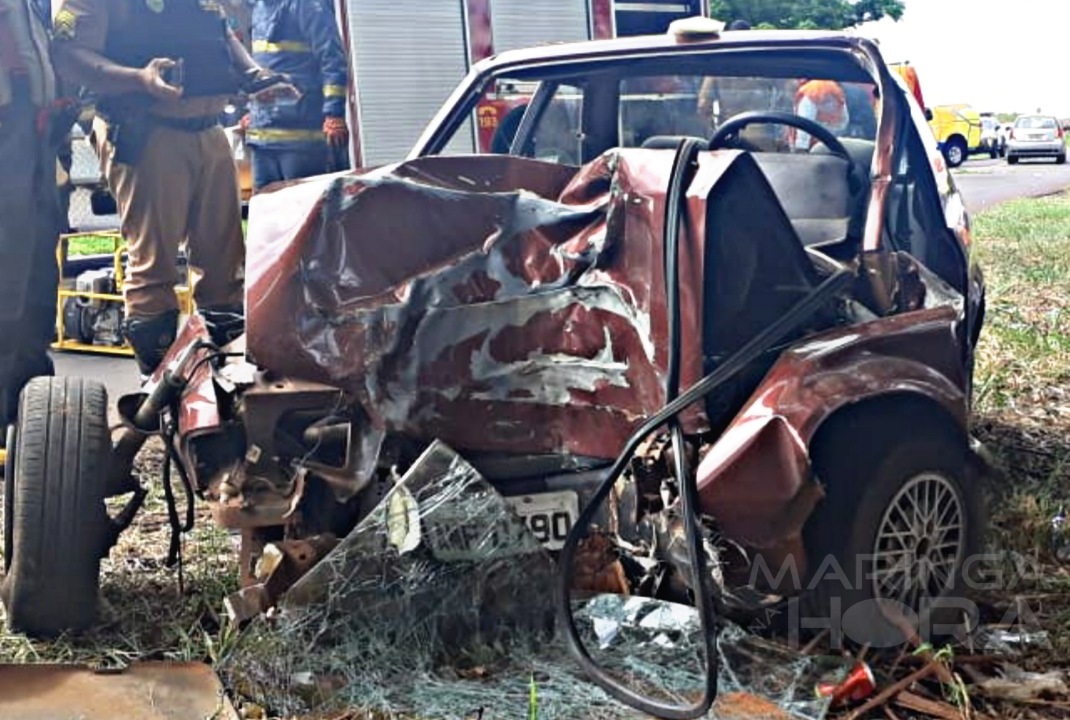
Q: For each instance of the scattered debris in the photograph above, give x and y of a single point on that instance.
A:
(1060, 537)
(430, 605)
(1019, 685)
(926, 706)
(857, 686)
(997, 641)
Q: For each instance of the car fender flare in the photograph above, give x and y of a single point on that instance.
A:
(765, 452)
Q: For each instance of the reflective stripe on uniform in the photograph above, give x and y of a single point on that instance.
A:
(278, 135)
(330, 91)
(294, 46)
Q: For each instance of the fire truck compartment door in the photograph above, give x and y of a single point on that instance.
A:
(407, 56)
(524, 23)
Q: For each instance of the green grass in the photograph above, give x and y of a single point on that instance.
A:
(1024, 247)
(1022, 396)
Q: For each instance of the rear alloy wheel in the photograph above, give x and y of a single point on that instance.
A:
(920, 540)
(955, 152)
(56, 524)
(912, 524)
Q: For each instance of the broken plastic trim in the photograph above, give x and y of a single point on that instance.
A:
(750, 352)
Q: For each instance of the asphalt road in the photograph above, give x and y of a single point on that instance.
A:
(983, 183)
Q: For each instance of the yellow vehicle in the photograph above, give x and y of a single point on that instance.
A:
(958, 129)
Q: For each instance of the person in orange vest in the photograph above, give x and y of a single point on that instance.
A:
(823, 101)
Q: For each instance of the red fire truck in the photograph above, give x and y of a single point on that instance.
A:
(407, 55)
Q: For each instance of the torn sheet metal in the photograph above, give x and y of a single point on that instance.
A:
(527, 294)
(439, 604)
(144, 691)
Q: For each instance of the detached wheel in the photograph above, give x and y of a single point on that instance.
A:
(899, 525)
(55, 522)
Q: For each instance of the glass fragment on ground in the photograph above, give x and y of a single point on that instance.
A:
(439, 605)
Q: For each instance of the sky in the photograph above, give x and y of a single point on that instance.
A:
(998, 57)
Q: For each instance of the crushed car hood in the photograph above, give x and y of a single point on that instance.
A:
(501, 304)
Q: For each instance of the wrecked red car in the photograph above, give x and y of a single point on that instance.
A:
(677, 317)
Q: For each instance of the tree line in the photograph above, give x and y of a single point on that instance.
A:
(805, 14)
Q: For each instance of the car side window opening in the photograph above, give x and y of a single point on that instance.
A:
(552, 127)
(557, 134)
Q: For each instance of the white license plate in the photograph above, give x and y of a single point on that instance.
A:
(549, 516)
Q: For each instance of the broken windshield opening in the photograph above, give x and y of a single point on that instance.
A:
(592, 107)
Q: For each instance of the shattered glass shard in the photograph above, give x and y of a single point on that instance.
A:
(439, 604)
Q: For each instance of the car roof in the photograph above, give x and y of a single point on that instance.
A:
(666, 43)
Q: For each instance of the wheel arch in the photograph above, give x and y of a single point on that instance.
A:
(877, 422)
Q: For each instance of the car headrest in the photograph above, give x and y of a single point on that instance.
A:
(861, 151)
(671, 142)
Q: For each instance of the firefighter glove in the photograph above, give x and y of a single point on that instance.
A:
(336, 131)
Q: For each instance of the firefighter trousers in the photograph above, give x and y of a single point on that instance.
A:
(30, 223)
(183, 189)
(271, 165)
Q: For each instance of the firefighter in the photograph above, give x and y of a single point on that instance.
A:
(823, 101)
(30, 218)
(300, 39)
(162, 72)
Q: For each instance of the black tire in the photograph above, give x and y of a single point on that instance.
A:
(55, 518)
(862, 484)
(1060, 159)
(955, 152)
(1012, 159)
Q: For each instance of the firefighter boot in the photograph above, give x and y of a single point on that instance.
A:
(151, 336)
(226, 323)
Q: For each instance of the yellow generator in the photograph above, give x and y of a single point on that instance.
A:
(89, 304)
